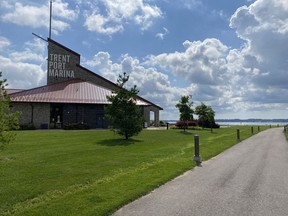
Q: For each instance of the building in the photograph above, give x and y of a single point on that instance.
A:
(73, 94)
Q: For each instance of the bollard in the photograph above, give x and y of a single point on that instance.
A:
(167, 125)
(197, 157)
(252, 130)
(258, 128)
(238, 135)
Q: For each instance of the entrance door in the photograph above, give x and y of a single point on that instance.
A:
(99, 121)
(56, 116)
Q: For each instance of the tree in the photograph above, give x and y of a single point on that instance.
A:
(185, 109)
(125, 116)
(206, 116)
(8, 120)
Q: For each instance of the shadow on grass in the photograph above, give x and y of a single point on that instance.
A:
(118, 142)
(186, 132)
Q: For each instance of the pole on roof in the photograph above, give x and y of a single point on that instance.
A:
(50, 23)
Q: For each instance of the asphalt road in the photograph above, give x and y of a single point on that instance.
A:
(250, 178)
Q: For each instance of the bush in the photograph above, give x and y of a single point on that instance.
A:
(207, 124)
(76, 126)
(28, 126)
(162, 123)
(184, 124)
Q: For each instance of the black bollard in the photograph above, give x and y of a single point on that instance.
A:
(252, 130)
(197, 157)
(167, 125)
(238, 135)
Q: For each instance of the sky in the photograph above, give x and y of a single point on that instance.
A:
(230, 55)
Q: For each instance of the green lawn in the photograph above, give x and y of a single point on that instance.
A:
(96, 172)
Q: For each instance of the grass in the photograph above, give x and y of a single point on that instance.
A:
(96, 172)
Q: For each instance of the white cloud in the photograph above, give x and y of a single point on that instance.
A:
(24, 75)
(263, 25)
(118, 13)
(101, 24)
(4, 42)
(27, 68)
(162, 35)
(190, 4)
(37, 16)
(200, 63)
(28, 16)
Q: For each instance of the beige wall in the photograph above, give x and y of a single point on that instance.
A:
(155, 111)
(37, 113)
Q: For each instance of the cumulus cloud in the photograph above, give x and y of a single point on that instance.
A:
(27, 68)
(120, 12)
(199, 63)
(263, 25)
(37, 16)
(4, 42)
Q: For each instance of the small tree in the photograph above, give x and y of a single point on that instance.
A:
(206, 115)
(124, 114)
(185, 109)
(8, 120)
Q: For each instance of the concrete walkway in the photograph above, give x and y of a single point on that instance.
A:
(250, 178)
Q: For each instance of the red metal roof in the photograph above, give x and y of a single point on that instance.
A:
(72, 91)
(11, 91)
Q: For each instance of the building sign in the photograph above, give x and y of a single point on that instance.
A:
(57, 66)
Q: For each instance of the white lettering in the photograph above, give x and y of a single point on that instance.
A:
(57, 66)
(61, 73)
(51, 72)
(56, 73)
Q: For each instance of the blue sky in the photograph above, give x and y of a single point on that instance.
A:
(231, 55)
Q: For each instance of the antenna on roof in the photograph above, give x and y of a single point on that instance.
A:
(39, 37)
(50, 22)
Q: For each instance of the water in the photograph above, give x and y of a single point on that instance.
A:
(260, 122)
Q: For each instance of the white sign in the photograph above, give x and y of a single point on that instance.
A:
(57, 66)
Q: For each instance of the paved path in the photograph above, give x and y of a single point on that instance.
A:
(250, 178)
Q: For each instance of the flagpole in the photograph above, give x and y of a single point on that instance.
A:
(50, 23)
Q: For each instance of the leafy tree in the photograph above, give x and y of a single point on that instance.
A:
(126, 117)
(8, 120)
(185, 109)
(206, 116)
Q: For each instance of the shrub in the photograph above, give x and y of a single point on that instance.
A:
(28, 126)
(162, 123)
(207, 124)
(182, 124)
(76, 126)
